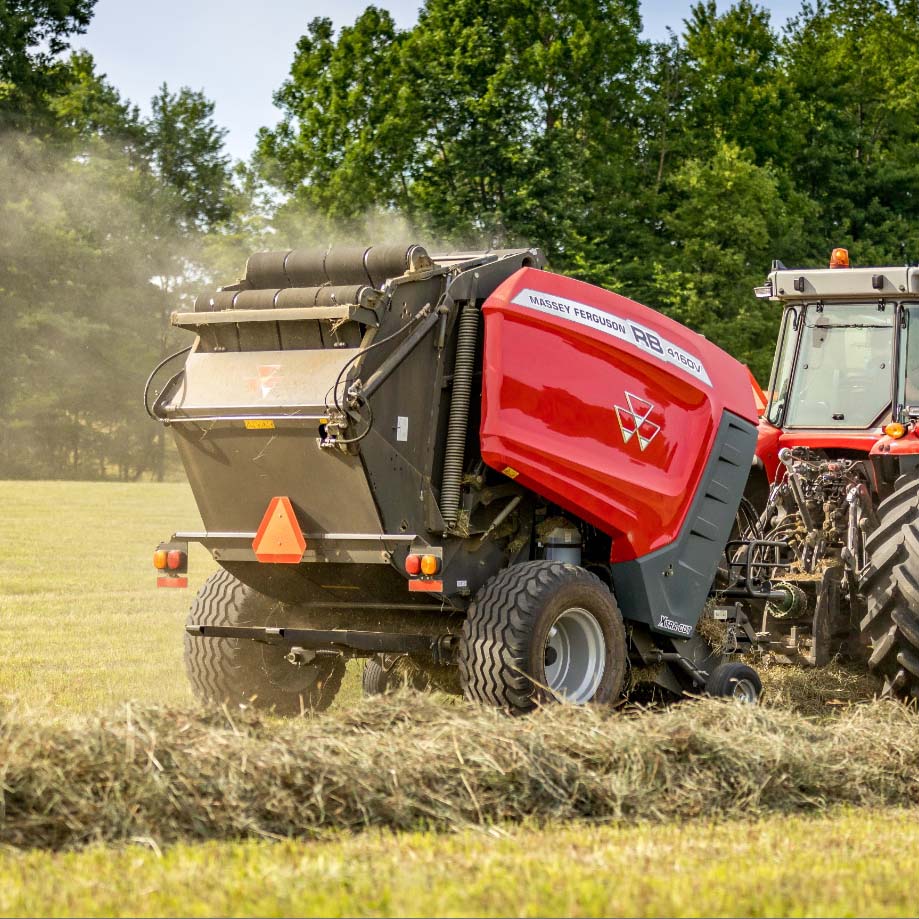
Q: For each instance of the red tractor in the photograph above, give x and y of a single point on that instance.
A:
(836, 473)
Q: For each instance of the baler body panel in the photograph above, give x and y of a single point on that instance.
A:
(604, 406)
(235, 470)
(590, 404)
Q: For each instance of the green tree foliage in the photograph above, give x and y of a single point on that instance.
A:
(338, 150)
(735, 85)
(32, 35)
(185, 147)
(729, 218)
(854, 66)
(489, 119)
(104, 216)
(673, 172)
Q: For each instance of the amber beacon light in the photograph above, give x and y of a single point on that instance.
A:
(839, 258)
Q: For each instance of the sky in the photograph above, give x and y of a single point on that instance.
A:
(239, 52)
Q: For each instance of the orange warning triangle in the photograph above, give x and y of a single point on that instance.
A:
(279, 539)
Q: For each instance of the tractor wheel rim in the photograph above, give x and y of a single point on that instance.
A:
(575, 656)
(745, 691)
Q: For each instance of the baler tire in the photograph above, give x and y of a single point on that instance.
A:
(733, 680)
(889, 588)
(240, 671)
(374, 679)
(502, 651)
(378, 679)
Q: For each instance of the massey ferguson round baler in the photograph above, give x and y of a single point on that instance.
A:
(520, 483)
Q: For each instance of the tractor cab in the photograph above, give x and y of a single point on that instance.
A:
(847, 360)
(836, 474)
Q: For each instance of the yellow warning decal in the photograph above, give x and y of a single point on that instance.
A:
(510, 473)
(259, 424)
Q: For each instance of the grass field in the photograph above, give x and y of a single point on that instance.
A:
(854, 863)
(78, 599)
(83, 628)
(81, 613)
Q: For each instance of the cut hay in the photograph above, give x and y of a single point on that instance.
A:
(816, 690)
(410, 762)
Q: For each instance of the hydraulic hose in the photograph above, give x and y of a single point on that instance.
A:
(153, 373)
(454, 455)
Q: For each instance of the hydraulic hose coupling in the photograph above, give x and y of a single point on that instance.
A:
(792, 604)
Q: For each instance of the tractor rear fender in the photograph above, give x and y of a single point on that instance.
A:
(892, 446)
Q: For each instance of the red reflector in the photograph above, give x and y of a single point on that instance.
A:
(175, 559)
(279, 539)
(172, 582)
(429, 586)
(413, 565)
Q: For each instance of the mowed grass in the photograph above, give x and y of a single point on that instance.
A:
(82, 624)
(851, 863)
(83, 628)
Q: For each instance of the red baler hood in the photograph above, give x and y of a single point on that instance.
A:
(602, 405)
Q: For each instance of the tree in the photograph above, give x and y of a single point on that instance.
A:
(87, 106)
(736, 90)
(503, 120)
(338, 149)
(855, 70)
(185, 147)
(103, 219)
(33, 34)
(730, 219)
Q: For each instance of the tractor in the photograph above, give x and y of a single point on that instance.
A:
(833, 497)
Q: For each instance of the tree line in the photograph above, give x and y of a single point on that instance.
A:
(672, 172)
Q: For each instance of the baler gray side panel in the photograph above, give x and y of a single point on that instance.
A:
(234, 474)
(667, 589)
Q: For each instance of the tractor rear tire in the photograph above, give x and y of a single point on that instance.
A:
(239, 671)
(889, 587)
(542, 631)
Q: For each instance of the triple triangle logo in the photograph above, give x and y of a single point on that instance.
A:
(633, 421)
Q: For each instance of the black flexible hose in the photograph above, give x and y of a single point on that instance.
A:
(153, 373)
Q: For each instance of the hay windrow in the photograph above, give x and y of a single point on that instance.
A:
(409, 762)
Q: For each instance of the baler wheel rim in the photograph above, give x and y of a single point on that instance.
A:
(736, 681)
(502, 652)
(577, 648)
(745, 691)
